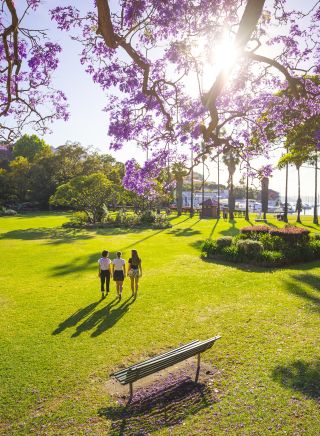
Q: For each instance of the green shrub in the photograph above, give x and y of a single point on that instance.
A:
(299, 254)
(161, 222)
(315, 247)
(292, 235)
(272, 243)
(316, 236)
(250, 247)
(224, 241)
(232, 254)
(147, 217)
(271, 258)
(79, 218)
(210, 247)
(7, 212)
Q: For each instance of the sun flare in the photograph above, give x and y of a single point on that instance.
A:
(220, 58)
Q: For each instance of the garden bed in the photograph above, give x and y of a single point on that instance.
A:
(265, 246)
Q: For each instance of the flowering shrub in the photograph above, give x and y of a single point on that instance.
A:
(253, 232)
(291, 235)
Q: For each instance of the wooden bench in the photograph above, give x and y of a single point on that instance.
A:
(143, 369)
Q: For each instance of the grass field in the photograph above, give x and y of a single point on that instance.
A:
(59, 341)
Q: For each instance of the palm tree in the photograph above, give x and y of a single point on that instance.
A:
(179, 171)
(231, 161)
(295, 157)
(299, 201)
(315, 208)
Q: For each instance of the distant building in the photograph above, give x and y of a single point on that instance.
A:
(197, 197)
(273, 195)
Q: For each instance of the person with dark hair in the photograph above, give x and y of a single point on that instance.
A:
(134, 271)
(104, 272)
(119, 272)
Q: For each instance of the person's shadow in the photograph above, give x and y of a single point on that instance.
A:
(104, 318)
(75, 318)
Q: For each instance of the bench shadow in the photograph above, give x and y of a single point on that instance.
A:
(161, 408)
(300, 375)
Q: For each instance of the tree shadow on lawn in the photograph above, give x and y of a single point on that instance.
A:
(104, 318)
(296, 289)
(241, 266)
(76, 265)
(159, 407)
(232, 230)
(56, 235)
(312, 280)
(184, 232)
(300, 376)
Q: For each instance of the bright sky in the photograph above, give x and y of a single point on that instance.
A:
(89, 125)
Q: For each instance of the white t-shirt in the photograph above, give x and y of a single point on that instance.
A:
(104, 263)
(118, 264)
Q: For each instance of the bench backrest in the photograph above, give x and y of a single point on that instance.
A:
(162, 361)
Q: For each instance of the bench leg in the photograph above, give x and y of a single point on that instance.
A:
(130, 393)
(198, 369)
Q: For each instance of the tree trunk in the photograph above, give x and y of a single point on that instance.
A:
(247, 198)
(231, 201)
(299, 199)
(264, 196)
(315, 208)
(191, 204)
(179, 185)
(285, 214)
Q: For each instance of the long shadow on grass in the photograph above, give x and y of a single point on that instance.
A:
(232, 230)
(300, 376)
(312, 280)
(240, 266)
(75, 318)
(78, 264)
(104, 318)
(312, 300)
(184, 232)
(56, 235)
(162, 407)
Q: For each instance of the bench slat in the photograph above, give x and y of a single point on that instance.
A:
(163, 361)
(168, 353)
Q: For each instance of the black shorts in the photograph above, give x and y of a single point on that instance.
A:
(118, 276)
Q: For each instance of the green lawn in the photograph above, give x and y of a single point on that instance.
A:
(59, 342)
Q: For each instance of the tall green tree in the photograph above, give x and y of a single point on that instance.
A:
(29, 146)
(90, 194)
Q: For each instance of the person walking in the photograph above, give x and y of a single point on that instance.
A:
(119, 272)
(134, 271)
(104, 272)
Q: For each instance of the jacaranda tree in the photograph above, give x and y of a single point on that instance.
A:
(148, 55)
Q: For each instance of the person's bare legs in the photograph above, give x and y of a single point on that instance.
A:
(136, 285)
(119, 290)
(132, 285)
